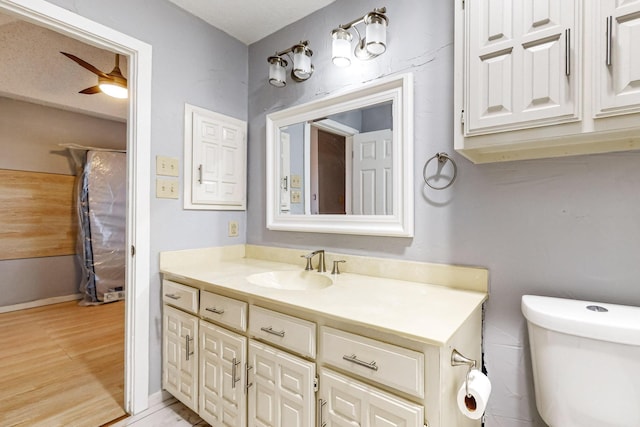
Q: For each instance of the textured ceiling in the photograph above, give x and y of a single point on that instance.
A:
(33, 69)
(251, 20)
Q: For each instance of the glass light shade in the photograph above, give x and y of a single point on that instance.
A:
(277, 74)
(376, 36)
(341, 47)
(302, 63)
(113, 89)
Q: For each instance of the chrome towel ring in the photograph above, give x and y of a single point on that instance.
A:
(442, 159)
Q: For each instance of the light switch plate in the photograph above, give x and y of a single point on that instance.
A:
(295, 181)
(295, 196)
(167, 188)
(233, 228)
(167, 166)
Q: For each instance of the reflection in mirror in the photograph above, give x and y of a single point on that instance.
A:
(343, 164)
(350, 163)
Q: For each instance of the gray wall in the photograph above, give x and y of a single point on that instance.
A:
(565, 227)
(193, 63)
(29, 139)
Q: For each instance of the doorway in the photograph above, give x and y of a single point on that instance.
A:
(55, 18)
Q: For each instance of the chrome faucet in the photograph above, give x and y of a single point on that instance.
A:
(321, 266)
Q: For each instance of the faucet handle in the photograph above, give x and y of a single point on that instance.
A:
(308, 257)
(335, 269)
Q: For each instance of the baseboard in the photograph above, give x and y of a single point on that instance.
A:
(40, 303)
(156, 401)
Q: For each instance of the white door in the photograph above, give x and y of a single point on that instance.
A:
(347, 402)
(372, 173)
(222, 376)
(180, 355)
(282, 391)
(285, 172)
(521, 64)
(617, 60)
(219, 160)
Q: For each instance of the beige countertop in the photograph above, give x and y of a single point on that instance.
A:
(424, 312)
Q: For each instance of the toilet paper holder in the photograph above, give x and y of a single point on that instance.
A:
(457, 359)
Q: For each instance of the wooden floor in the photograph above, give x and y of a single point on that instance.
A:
(62, 365)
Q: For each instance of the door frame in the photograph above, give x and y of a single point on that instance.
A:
(44, 14)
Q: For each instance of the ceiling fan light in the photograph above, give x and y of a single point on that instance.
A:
(113, 88)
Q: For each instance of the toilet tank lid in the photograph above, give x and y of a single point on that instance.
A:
(619, 324)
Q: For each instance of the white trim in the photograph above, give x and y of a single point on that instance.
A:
(40, 303)
(47, 15)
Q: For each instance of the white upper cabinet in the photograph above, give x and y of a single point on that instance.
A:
(617, 63)
(546, 78)
(519, 64)
(215, 160)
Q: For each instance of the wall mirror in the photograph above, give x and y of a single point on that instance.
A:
(343, 164)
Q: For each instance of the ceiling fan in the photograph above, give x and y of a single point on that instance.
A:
(113, 83)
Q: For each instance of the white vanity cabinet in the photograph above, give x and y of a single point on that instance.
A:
(180, 343)
(537, 79)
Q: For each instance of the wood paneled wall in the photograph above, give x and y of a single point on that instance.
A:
(37, 215)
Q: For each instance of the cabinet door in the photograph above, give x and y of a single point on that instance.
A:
(219, 160)
(180, 355)
(222, 358)
(282, 392)
(347, 402)
(521, 66)
(617, 63)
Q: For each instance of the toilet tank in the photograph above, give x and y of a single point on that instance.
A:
(586, 361)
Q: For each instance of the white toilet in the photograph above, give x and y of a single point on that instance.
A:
(586, 361)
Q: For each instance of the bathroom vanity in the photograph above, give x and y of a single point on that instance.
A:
(251, 338)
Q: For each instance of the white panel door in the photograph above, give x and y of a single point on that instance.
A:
(282, 391)
(372, 173)
(180, 355)
(617, 60)
(222, 376)
(347, 402)
(521, 58)
(219, 160)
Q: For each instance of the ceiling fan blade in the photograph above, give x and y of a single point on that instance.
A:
(85, 64)
(91, 90)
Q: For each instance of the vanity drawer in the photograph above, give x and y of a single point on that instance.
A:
(224, 310)
(289, 332)
(387, 364)
(180, 296)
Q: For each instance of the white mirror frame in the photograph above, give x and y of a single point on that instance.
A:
(399, 90)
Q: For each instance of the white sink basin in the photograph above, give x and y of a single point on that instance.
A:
(292, 280)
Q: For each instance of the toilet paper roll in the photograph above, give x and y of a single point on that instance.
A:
(474, 404)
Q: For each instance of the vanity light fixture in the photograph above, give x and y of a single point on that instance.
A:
(373, 44)
(301, 70)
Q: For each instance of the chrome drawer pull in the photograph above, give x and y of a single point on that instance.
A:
(234, 370)
(270, 330)
(354, 359)
(189, 352)
(215, 310)
(321, 404)
(247, 384)
(172, 296)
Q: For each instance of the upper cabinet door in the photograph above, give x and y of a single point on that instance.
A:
(215, 160)
(520, 64)
(617, 64)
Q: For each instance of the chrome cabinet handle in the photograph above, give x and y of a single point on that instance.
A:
(354, 359)
(321, 405)
(270, 330)
(215, 310)
(172, 296)
(234, 372)
(609, 36)
(247, 384)
(567, 52)
(285, 183)
(200, 174)
(188, 340)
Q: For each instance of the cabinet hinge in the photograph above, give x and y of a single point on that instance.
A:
(133, 250)
(461, 116)
(316, 384)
